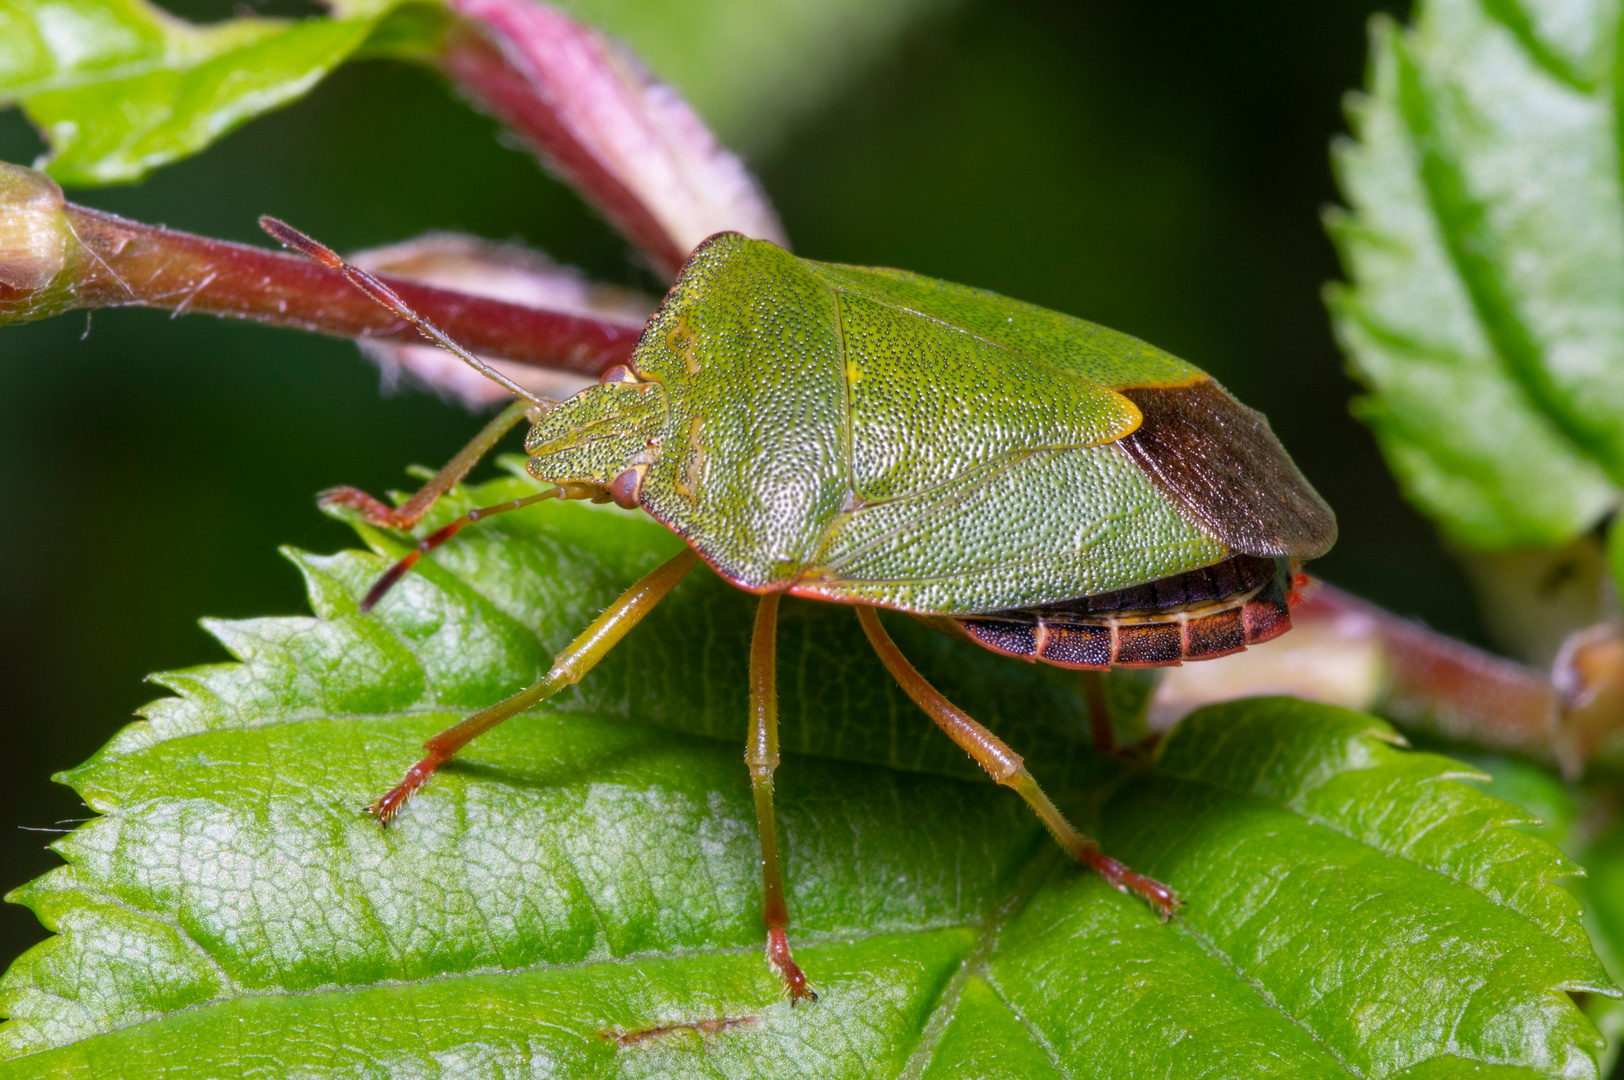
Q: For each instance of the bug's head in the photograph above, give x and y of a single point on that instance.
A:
(606, 436)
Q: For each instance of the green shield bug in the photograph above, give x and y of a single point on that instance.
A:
(1039, 485)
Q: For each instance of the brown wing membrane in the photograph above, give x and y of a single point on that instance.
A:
(1219, 461)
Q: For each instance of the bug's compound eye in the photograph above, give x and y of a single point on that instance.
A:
(625, 486)
(620, 373)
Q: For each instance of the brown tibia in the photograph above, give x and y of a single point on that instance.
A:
(1006, 767)
(761, 755)
(569, 667)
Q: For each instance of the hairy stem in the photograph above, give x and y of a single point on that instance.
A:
(112, 262)
(1439, 684)
(627, 143)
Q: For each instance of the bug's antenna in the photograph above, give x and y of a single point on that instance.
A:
(292, 238)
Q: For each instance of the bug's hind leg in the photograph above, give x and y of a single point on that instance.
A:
(412, 510)
(761, 755)
(1005, 766)
(569, 667)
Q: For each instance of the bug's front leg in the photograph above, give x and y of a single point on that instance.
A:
(569, 667)
(761, 755)
(412, 510)
(1005, 766)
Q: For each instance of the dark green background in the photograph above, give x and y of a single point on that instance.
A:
(1156, 167)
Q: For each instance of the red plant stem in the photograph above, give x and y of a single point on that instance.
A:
(123, 263)
(1449, 687)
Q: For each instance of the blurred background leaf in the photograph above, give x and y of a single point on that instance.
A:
(120, 89)
(1486, 312)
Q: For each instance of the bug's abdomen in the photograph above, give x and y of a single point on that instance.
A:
(1197, 615)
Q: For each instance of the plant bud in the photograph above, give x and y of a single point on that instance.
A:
(34, 228)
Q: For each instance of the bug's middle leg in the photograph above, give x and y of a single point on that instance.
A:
(1005, 766)
(761, 755)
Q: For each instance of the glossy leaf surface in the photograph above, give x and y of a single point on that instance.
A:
(1486, 251)
(120, 87)
(577, 896)
(1584, 821)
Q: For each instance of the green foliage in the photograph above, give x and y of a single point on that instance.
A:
(587, 871)
(1615, 557)
(578, 894)
(120, 87)
(1486, 252)
(1586, 823)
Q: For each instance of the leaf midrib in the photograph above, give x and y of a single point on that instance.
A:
(1024, 885)
(339, 989)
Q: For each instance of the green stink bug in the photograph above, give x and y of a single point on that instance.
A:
(1040, 485)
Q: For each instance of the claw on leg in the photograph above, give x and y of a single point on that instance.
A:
(372, 511)
(1119, 877)
(390, 804)
(569, 667)
(761, 756)
(796, 988)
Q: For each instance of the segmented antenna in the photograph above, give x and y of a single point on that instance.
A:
(294, 240)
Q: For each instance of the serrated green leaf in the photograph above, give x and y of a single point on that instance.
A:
(1583, 820)
(120, 87)
(1486, 252)
(577, 895)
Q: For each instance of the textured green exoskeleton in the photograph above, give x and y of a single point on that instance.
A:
(1042, 486)
(877, 437)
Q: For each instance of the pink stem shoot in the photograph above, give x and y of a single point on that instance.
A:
(498, 88)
